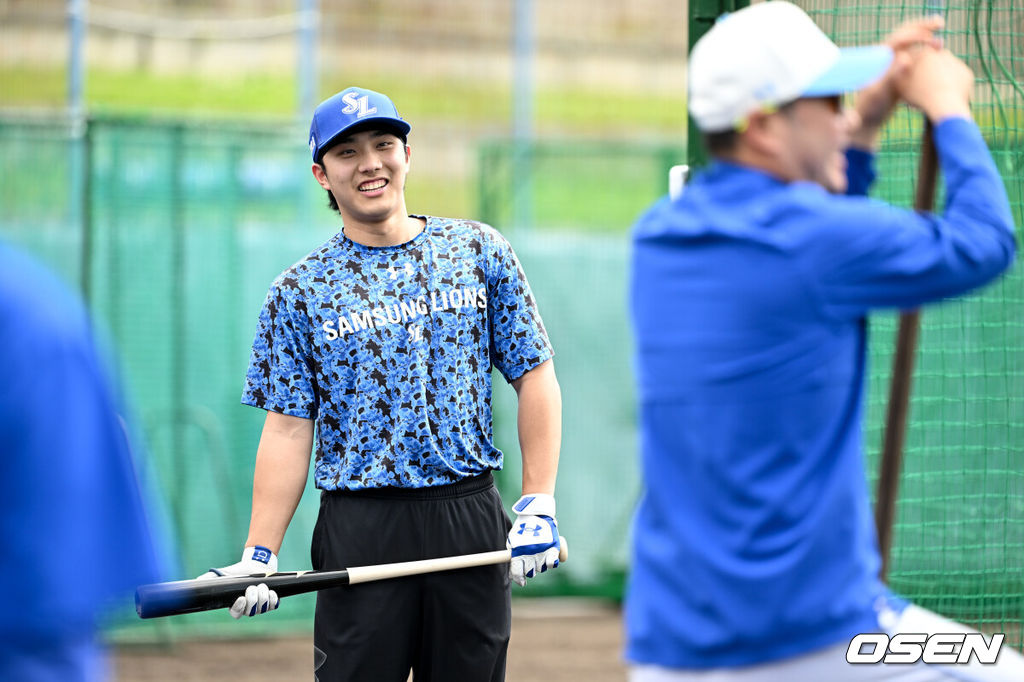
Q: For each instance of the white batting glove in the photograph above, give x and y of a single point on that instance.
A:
(257, 598)
(533, 538)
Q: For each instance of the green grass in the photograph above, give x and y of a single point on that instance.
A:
(138, 92)
(593, 186)
(473, 102)
(429, 196)
(483, 106)
(598, 187)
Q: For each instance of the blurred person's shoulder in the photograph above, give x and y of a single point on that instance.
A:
(34, 302)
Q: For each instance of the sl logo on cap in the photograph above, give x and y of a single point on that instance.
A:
(312, 143)
(356, 103)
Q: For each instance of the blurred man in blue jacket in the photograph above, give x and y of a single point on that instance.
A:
(755, 554)
(75, 536)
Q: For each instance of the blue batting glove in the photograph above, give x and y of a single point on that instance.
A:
(533, 538)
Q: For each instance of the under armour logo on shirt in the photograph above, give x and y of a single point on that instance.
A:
(408, 268)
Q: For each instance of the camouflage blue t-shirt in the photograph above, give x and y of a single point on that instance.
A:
(390, 350)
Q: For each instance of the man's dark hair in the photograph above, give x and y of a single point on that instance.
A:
(724, 142)
(331, 201)
(721, 143)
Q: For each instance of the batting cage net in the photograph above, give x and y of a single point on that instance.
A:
(558, 128)
(958, 544)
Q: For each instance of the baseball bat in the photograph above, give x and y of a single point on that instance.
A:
(898, 408)
(190, 596)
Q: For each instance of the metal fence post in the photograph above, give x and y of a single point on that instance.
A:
(522, 115)
(307, 69)
(78, 141)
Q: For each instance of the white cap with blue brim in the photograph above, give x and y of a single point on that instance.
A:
(767, 55)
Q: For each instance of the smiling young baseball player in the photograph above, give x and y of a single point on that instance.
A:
(755, 556)
(383, 339)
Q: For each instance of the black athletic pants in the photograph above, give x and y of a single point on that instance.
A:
(447, 626)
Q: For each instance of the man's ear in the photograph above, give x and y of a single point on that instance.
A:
(321, 176)
(761, 133)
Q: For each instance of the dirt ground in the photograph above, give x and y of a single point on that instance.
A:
(552, 641)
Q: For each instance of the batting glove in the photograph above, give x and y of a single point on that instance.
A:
(257, 598)
(533, 538)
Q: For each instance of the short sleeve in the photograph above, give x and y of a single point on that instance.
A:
(519, 341)
(280, 376)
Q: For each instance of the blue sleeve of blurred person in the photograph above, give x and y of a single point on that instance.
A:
(76, 535)
(860, 171)
(876, 256)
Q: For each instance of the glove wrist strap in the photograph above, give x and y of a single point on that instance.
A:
(535, 504)
(261, 554)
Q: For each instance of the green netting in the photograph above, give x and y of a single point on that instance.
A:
(175, 229)
(958, 546)
(588, 187)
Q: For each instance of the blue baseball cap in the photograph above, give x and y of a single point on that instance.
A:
(349, 108)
